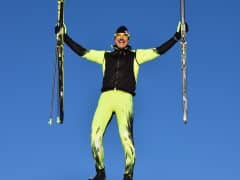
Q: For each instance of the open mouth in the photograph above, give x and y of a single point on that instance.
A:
(121, 41)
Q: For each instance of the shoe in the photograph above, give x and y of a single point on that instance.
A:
(127, 177)
(100, 175)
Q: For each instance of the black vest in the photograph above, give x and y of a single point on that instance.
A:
(119, 73)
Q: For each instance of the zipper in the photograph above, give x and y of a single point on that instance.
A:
(116, 77)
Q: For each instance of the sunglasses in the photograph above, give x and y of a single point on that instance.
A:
(122, 34)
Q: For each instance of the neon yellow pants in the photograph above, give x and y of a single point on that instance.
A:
(120, 103)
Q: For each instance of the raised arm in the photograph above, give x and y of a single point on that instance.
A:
(146, 55)
(96, 56)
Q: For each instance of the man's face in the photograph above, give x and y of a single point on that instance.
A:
(121, 40)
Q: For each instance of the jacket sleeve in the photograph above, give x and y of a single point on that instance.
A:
(167, 45)
(146, 55)
(96, 56)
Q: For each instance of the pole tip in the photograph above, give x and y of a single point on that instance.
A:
(185, 121)
(59, 120)
(50, 122)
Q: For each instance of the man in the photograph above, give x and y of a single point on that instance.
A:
(120, 72)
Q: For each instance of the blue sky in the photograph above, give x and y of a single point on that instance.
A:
(207, 148)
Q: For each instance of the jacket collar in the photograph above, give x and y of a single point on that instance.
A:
(127, 48)
(119, 51)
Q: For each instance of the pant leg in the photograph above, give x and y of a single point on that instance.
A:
(100, 121)
(124, 113)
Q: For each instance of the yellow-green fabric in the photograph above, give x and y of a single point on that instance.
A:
(96, 56)
(121, 104)
(146, 55)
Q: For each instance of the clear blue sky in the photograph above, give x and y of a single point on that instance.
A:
(207, 148)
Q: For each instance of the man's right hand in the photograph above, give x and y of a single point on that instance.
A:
(60, 29)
